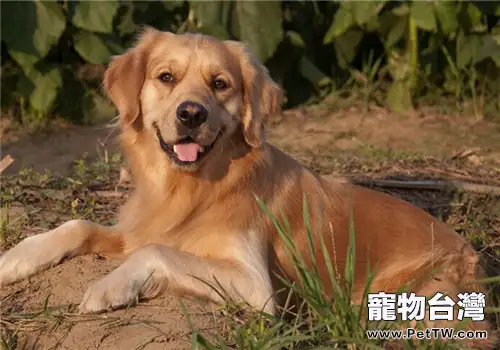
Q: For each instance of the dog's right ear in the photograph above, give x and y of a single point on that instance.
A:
(125, 76)
(123, 81)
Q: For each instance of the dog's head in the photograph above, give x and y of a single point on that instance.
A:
(191, 92)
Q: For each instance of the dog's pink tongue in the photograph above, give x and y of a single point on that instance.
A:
(187, 152)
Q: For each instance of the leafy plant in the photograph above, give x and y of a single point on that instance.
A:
(54, 52)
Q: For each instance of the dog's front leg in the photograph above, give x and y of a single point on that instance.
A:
(39, 252)
(156, 268)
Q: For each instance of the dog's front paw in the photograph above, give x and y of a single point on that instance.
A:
(108, 295)
(121, 288)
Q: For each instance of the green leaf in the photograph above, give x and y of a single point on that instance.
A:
(469, 16)
(401, 10)
(342, 20)
(91, 47)
(488, 48)
(387, 21)
(113, 44)
(30, 29)
(495, 33)
(397, 32)
(127, 24)
(372, 24)
(25, 60)
(46, 90)
(392, 28)
(467, 46)
(363, 11)
(295, 38)
(316, 77)
(212, 18)
(423, 14)
(94, 16)
(446, 13)
(259, 25)
(41, 87)
(346, 46)
(213, 12)
(51, 25)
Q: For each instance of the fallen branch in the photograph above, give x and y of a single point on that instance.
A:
(6, 162)
(433, 185)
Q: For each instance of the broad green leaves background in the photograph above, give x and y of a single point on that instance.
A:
(96, 16)
(54, 52)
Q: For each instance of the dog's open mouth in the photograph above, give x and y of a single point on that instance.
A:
(185, 151)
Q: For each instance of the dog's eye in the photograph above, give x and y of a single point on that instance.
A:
(219, 84)
(166, 78)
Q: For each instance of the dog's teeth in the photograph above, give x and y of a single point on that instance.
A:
(201, 149)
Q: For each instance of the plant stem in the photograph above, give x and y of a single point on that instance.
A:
(412, 50)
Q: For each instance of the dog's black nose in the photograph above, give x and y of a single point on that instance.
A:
(191, 114)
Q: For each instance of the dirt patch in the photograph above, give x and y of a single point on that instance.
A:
(56, 149)
(159, 324)
(39, 312)
(318, 130)
(299, 131)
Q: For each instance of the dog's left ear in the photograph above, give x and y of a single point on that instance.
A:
(262, 96)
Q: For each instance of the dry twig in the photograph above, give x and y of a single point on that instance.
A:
(434, 185)
(6, 162)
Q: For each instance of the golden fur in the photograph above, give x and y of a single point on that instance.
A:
(185, 223)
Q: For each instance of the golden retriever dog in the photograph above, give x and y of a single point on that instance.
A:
(192, 112)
